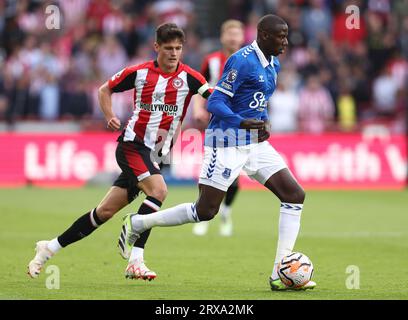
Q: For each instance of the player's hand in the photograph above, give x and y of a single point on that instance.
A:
(252, 124)
(114, 123)
(263, 135)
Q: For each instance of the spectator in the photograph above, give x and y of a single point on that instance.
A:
(113, 22)
(98, 38)
(128, 36)
(97, 11)
(111, 57)
(342, 34)
(398, 67)
(361, 91)
(385, 89)
(346, 108)
(45, 79)
(316, 107)
(250, 28)
(283, 107)
(179, 12)
(381, 42)
(73, 12)
(316, 22)
(404, 38)
(16, 82)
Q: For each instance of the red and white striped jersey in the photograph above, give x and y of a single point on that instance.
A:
(160, 101)
(213, 66)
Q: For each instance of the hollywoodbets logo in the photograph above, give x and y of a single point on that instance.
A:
(170, 109)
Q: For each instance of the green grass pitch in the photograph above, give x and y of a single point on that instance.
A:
(367, 229)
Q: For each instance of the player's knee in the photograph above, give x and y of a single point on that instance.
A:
(206, 212)
(296, 196)
(159, 193)
(300, 195)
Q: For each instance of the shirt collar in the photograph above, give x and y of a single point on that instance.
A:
(261, 56)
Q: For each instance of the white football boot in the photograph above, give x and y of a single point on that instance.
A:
(278, 285)
(226, 228)
(43, 254)
(201, 228)
(137, 269)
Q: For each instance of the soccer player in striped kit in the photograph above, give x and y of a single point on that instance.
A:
(231, 38)
(235, 140)
(162, 92)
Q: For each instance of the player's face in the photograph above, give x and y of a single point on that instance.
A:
(232, 39)
(168, 54)
(275, 42)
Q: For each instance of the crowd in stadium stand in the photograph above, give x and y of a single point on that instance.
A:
(333, 78)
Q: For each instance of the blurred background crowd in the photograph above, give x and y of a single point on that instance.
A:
(333, 78)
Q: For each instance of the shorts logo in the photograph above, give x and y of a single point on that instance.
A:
(232, 75)
(177, 83)
(227, 173)
(211, 166)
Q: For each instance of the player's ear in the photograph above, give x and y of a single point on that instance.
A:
(264, 35)
(156, 47)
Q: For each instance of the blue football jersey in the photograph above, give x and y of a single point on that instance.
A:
(247, 82)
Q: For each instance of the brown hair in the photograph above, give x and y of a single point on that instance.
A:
(169, 31)
(231, 23)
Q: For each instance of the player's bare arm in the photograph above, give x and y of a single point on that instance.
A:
(105, 103)
(200, 113)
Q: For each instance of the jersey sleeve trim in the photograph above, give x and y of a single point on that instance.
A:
(123, 80)
(196, 81)
(203, 88)
(224, 91)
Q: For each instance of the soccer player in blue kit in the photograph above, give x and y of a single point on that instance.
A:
(236, 139)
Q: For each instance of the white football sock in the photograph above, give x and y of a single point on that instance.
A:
(137, 254)
(178, 215)
(225, 212)
(289, 225)
(54, 246)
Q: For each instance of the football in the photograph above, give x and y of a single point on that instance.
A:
(295, 269)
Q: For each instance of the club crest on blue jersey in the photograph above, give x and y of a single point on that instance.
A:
(227, 173)
(232, 75)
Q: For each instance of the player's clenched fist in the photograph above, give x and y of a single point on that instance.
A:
(114, 124)
(252, 124)
(263, 135)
